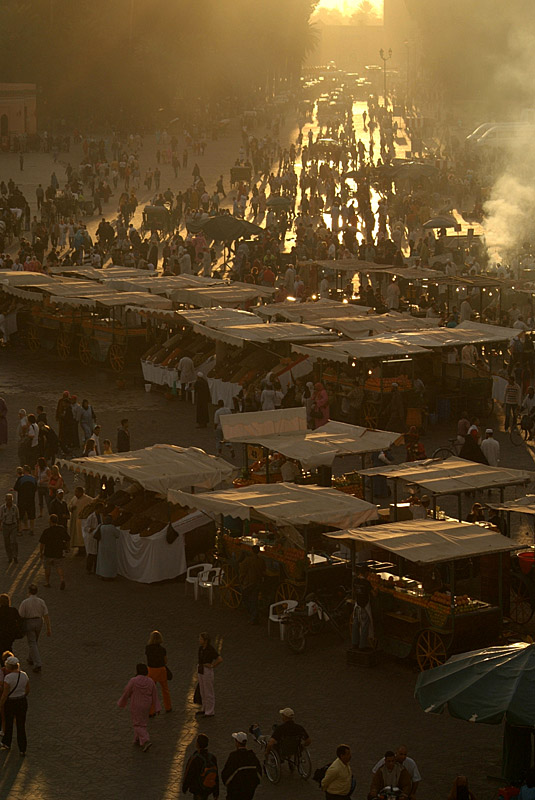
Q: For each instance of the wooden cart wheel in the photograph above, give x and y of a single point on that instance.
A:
(287, 591)
(229, 587)
(85, 352)
(520, 608)
(63, 345)
(32, 338)
(370, 415)
(430, 650)
(117, 357)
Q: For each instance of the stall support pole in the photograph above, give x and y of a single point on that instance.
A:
(266, 456)
(395, 500)
(500, 584)
(434, 506)
(353, 564)
(502, 494)
(452, 589)
(246, 456)
(460, 507)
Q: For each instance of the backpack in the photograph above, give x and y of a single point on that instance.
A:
(319, 774)
(208, 774)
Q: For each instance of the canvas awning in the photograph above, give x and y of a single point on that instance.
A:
(429, 541)
(522, 505)
(285, 431)
(206, 297)
(158, 468)
(359, 327)
(452, 475)
(219, 317)
(283, 503)
(313, 312)
(456, 337)
(239, 335)
(358, 349)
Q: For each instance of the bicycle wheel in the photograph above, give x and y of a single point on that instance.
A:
(516, 436)
(520, 607)
(304, 763)
(272, 767)
(443, 452)
(295, 636)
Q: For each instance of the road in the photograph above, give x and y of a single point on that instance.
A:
(80, 742)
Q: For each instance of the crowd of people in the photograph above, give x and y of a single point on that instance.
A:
(313, 211)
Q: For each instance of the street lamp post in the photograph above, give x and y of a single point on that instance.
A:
(385, 58)
(407, 88)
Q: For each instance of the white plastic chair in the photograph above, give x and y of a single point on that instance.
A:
(208, 579)
(278, 611)
(192, 577)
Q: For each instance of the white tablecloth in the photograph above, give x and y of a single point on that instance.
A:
(148, 559)
(498, 388)
(155, 373)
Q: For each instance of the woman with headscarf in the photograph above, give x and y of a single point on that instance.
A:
(320, 405)
(202, 400)
(141, 691)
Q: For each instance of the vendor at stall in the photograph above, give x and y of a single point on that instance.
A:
(362, 630)
(290, 471)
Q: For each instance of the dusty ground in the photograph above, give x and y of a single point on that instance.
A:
(80, 743)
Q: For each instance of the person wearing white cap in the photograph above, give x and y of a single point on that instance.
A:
(288, 729)
(14, 704)
(491, 448)
(242, 771)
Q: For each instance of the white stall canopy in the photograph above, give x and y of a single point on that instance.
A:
(158, 468)
(282, 503)
(285, 431)
(429, 541)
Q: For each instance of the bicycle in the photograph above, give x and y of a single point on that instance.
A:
(290, 750)
(445, 452)
(314, 617)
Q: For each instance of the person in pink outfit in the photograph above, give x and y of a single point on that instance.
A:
(142, 693)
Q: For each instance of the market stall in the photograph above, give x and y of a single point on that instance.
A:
(374, 363)
(522, 594)
(147, 550)
(284, 432)
(286, 520)
(452, 476)
(231, 348)
(81, 318)
(437, 586)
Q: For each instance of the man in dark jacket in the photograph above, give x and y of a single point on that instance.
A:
(59, 507)
(242, 771)
(201, 776)
(123, 437)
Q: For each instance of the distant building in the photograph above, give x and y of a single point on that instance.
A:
(18, 109)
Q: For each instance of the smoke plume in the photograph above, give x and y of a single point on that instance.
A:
(511, 206)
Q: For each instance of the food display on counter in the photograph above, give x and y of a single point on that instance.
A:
(413, 592)
(350, 483)
(169, 353)
(384, 385)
